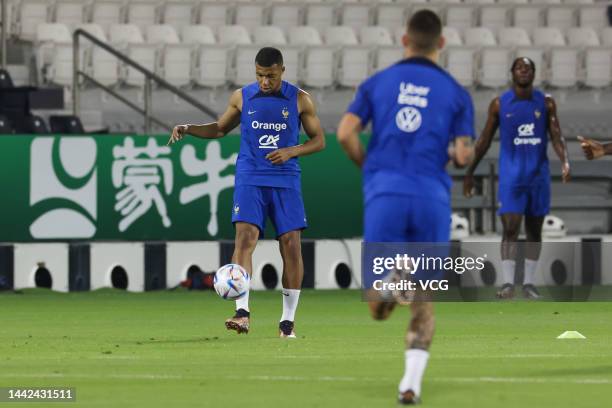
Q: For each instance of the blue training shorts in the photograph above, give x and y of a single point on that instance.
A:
(398, 218)
(533, 201)
(284, 206)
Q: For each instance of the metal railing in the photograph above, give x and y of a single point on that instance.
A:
(150, 77)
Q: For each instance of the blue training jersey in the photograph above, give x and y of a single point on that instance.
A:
(523, 124)
(268, 122)
(416, 109)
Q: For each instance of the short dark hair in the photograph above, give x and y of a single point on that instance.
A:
(424, 29)
(268, 56)
(527, 59)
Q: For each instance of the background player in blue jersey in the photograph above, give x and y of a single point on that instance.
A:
(417, 111)
(524, 116)
(270, 112)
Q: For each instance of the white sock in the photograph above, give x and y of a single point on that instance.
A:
(243, 302)
(530, 269)
(416, 361)
(290, 302)
(508, 270)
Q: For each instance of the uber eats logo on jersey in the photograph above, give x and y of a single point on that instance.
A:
(525, 133)
(408, 119)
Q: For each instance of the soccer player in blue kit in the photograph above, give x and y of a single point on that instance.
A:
(269, 112)
(418, 111)
(524, 116)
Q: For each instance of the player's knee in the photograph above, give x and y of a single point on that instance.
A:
(511, 234)
(380, 310)
(246, 240)
(291, 244)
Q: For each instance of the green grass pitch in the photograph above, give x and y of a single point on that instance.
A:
(170, 349)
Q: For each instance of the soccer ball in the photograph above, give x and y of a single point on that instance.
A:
(231, 282)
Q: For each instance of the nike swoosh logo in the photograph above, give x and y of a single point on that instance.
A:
(251, 112)
(285, 294)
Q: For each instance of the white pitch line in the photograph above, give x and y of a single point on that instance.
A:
(504, 380)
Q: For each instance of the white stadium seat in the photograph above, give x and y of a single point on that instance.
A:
(31, 14)
(528, 17)
(340, 35)
(582, 37)
(597, 67)
(593, 16)
(291, 60)
(479, 36)
(162, 34)
(452, 36)
(494, 67)
(563, 67)
(233, 35)
(536, 54)
(70, 12)
(320, 15)
(53, 32)
(285, 15)
(269, 35)
(176, 63)
(606, 36)
(460, 16)
(104, 66)
(355, 15)
(386, 56)
(459, 62)
(95, 30)
(243, 68)
(375, 35)
(178, 14)
(318, 69)
(548, 36)
(391, 16)
(142, 14)
(212, 65)
(125, 33)
(304, 35)
(106, 14)
(561, 17)
(60, 71)
(479, 1)
(513, 36)
(249, 15)
(494, 17)
(214, 14)
(546, 1)
(354, 65)
(197, 34)
(144, 54)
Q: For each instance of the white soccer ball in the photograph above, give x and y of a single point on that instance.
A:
(231, 282)
(553, 227)
(460, 226)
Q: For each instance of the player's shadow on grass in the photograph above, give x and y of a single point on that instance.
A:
(603, 369)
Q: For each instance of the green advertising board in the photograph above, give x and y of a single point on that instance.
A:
(127, 187)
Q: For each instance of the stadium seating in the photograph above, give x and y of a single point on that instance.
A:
(479, 36)
(355, 15)
(494, 16)
(214, 14)
(178, 14)
(249, 15)
(70, 13)
(452, 36)
(582, 37)
(269, 35)
(285, 15)
(304, 36)
(375, 36)
(494, 63)
(513, 36)
(32, 13)
(320, 15)
(598, 67)
(197, 34)
(141, 14)
(548, 36)
(106, 14)
(340, 35)
(233, 35)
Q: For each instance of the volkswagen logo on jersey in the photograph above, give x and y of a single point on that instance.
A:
(269, 141)
(408, 119)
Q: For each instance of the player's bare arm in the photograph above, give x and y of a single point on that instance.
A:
(593, 149)
(348, 137)
(482, 145)
(214, 130)
(312, 127)
(557, 140)
(462, 151)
